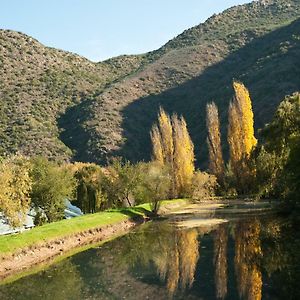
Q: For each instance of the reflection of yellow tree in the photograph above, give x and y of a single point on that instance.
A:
(177, 263)
(220, 261)
(247, 253)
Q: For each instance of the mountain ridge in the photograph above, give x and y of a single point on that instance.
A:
(63, 106)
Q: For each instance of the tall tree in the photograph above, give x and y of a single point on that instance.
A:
(166, 131)
(184, 167)
(216, 162)
(174, 149)
(243, 101)
(235, 134)
(241, 137)
(157, 145)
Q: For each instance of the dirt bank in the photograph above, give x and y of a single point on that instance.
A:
(43, 252)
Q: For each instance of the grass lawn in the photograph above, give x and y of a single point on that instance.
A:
(60, 229)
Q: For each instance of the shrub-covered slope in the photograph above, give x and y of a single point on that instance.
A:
(38, 83)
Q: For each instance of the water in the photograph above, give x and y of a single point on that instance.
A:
(251, 256)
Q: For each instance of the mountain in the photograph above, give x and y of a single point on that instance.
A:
(38, 84)
(61, 105)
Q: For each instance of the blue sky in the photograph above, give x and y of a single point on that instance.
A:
(99, 29)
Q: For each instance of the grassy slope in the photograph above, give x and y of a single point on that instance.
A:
(60, 229)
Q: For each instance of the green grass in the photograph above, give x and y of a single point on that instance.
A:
(12, 243)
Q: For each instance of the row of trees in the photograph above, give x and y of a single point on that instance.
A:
(174, 149)
(33, 184)
(269, 168)
(241, 140)
(44, 186)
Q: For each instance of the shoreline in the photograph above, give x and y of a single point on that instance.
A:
(45, 252)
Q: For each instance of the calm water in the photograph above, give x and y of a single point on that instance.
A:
(252, 256)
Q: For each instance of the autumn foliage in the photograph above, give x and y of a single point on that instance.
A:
(173, 147)
(216, 162)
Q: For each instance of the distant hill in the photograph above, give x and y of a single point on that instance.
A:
(62, 105)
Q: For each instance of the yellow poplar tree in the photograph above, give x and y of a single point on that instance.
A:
(157, 145)
(241, 137)
(184, 167)
(243, 100)
(173, 147)
(216, 162)
(166, 132)
(235, 134)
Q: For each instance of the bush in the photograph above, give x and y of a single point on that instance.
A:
(52, 185)
(121, 183)
(154, 185)
(204, 185)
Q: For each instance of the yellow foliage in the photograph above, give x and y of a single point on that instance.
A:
(157, 145)
(216, 162)
(247, 119)
(15, 188)
(220, 262)
(247, 254)
(166, 131)
(173, 148)
(235, 134)
(184, 167)
(241, 137)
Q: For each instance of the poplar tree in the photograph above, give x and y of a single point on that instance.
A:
(241, 137)
(243, 101)
(216, 162)
(157, 145)
(174, 149)
(166, 133)
(183, 156)
(235, 134)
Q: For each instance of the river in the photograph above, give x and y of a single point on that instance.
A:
(234, 252)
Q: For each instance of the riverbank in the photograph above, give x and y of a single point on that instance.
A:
(18, 252)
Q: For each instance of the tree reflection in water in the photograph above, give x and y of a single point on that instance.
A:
(161, 261)
(220, 261)
(248, 254)
(177, 265)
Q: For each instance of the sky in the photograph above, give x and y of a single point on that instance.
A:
(100, 29)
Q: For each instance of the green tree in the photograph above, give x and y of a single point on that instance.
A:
(154, 185)
(52, 185)
(90, 195)
(277, 159)
(121, 182)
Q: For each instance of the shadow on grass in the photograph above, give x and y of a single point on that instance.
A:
(136, 214)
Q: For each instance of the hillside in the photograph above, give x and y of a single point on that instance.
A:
(59, 104)
(37, 85)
